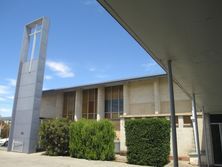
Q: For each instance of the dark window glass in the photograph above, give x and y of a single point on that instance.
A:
(113, 102)
(187, 121)
(121, 106)
(89, 105)
(69, 105)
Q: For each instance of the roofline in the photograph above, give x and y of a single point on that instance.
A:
(106, 83)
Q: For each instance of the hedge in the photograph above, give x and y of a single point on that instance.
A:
(93, 140)
(54, 136)
(148, 141)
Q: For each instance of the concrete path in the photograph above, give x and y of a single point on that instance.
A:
(11, 159)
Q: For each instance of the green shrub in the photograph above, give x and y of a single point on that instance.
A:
(54, 136)
(148, 141)
(90, 139)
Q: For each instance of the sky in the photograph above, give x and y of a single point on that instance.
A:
(85, 45)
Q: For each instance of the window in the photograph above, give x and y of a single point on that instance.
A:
(187, 121)
(89, 105)
(69, 105)
(113, 102)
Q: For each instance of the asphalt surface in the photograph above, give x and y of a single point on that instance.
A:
(12, 159)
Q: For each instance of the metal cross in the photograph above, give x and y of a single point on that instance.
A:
(33, 45)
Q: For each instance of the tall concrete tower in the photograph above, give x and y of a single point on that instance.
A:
(26, 108)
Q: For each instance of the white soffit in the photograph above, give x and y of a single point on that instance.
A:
(187, 32)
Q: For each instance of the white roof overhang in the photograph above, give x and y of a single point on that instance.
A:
(187, 32)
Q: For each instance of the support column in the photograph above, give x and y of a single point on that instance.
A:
(208, 139)
(195, 129)
(125, 99)
(156, 96)
(78, 105)
(59, 105)
(172, 112)
(101, 103)
(123, 147)
(122, 135)
(180, 122)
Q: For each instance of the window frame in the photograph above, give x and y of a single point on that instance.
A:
(110, 100)
(68, 97)
(86, 114)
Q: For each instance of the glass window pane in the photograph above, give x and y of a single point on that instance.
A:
(70, 117)
(121, 106)
(108, 93)
(115, 105)
(69, 105)
(85, 101)
(107, 115)
(91, 107)
(89, 103)
(115, 115)
(91, 94)
(91, 116)
(64, 113)
(84, 116)
(115, 92)
(187, 121)
(108, 105)
(121, 92)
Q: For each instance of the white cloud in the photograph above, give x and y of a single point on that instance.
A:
(92, 69)
(10, 97)
(6, 96)
(48, 77)
(62, 70)
(2, 99)
(4, 89)
(12, 82)
(5, 111)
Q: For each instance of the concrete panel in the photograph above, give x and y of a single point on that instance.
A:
(185, 141)
(178, 93)
(141, 97)
(28, 78)
(25, 103)
(51, 105)
(181, 106)
(26, 69)
(141, 92)
(26, 91)
(29, 90)
(141, 109)
(125, 99)
(22, 119)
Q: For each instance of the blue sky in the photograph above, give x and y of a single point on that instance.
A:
(85, 45)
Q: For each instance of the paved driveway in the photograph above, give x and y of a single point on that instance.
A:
(11, 159)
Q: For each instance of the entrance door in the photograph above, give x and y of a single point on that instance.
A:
(216, 130)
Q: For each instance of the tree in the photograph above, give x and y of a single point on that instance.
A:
(4, 129)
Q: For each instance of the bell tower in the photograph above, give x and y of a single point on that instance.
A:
(26, 108)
